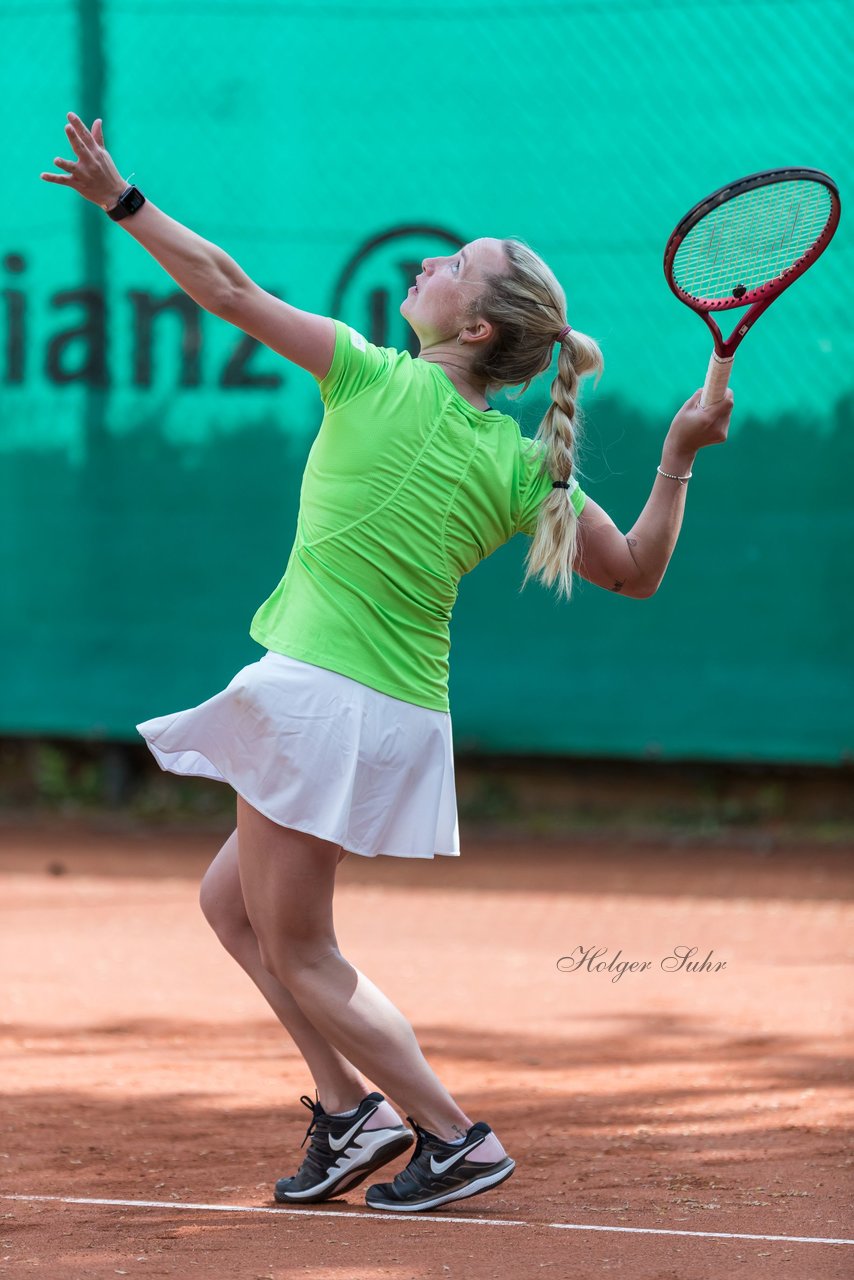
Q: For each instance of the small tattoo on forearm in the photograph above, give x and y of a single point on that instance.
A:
(618, 586)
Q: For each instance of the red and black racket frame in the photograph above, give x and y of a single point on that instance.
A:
(758, 299)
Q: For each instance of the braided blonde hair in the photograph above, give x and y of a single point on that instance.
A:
(528, 308)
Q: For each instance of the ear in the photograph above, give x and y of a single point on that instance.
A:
(479, 331)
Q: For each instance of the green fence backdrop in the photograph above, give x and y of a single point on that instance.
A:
(150, 456)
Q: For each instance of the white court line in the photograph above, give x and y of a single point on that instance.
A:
(396, 1217)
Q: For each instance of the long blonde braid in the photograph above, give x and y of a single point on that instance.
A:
(528, 308)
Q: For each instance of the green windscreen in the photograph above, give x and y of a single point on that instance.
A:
(151, 454)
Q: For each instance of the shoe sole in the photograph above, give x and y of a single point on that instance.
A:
(484, 1183)
(350, 1177)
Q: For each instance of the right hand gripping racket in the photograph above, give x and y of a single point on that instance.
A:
(742, 246)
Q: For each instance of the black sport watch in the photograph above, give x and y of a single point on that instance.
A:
(130, 200)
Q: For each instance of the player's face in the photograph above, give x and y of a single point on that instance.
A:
(436, 305)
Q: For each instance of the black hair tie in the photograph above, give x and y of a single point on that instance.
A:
(560, 484)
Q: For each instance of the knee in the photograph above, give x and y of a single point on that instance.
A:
(293, 959)
(225, 914)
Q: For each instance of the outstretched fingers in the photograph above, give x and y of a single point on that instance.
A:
(83, 143)
(78, 135)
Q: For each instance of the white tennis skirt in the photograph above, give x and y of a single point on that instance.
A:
(314, 750)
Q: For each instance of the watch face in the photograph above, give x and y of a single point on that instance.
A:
(133, 200)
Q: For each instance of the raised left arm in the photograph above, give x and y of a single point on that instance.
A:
(634, 563)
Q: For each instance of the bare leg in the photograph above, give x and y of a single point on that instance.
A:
(339, 1085)
(287, 878)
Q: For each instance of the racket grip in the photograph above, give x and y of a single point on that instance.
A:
(717, 377)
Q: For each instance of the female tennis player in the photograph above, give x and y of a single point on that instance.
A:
(338, 740)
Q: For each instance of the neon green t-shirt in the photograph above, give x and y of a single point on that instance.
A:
(406, 487)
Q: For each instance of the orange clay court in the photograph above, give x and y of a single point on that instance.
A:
(666, 1125)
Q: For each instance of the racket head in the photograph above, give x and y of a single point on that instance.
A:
(748, 241)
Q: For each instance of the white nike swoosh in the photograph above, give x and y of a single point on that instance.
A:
(338, 1144)
(439, 1166)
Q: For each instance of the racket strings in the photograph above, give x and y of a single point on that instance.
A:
(758, 237)
(757, 227)
(751, 239)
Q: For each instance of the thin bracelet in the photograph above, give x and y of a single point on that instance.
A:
(681, 479)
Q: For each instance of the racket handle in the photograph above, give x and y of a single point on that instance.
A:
(717, 377)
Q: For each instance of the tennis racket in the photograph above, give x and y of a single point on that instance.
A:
(742, 246)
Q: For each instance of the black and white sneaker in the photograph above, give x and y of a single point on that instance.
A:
(344, 1150)
(440, 1172)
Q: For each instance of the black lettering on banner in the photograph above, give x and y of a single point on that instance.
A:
(145, 308)
(369, 291)
(16, 300)
(91, 334)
